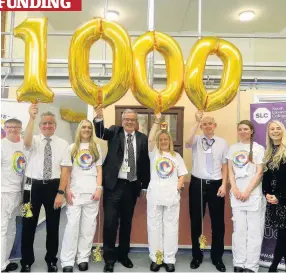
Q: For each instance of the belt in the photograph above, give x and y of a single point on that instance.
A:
(206, 181)
(37, 181)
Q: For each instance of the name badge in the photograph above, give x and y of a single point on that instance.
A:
(125, 168)
(27, 187)
(208, 151)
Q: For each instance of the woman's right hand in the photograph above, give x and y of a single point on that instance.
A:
(237, 194)
(69, 196)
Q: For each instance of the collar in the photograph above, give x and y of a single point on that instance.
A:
(132, 134)
(214, 137)
(42, 137)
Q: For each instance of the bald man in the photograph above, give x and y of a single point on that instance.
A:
(208, 186)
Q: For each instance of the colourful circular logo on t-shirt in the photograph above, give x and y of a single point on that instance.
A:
(18, 162)
(164, 167)
(84, 159)
(240, 159)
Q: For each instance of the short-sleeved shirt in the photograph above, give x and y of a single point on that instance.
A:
(165, 171)
(244, 171)
(13, 162)
(84, 172)
(60, 156)
(218, 150)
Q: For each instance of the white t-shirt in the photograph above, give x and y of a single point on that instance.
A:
(13, 162)
(84, 172)
(244, 171)
(165, 170)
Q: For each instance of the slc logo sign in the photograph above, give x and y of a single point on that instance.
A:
(262, 115)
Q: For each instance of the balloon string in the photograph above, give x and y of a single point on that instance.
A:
(101, 27)
(205, 106)
(155, 40)
(99, 96)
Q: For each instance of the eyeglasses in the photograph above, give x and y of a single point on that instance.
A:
(47, 123)
(13, 127)
(130, 119)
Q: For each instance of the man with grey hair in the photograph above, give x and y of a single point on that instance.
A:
(47, 172)
(126, 170)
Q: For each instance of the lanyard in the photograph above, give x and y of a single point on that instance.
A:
(206, 145)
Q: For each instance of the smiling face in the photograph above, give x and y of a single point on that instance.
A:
(129, 122)
(244, 132)
(85, 131)
(208, 126)
(48, 125)
(275, 132)
(164, 142)
(13, 131)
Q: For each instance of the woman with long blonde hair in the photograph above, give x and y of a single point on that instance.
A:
(83, 195)
(163, 198)
(274, 187)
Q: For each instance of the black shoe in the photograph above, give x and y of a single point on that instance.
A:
(170, 267)
(219, 266)
(155, 267)
(126, 262)
(52, 267)
(68, 269)
(108, 268)
(83, 266)
(26, 268)
(195, 263)
(238, 269)
(248, 270)
(10, 267)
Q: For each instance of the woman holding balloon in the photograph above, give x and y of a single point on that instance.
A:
(163, 197)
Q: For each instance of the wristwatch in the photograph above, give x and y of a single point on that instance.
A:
(61, 192)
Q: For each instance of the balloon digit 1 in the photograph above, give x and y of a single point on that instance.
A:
(82, 40)
(33, 31)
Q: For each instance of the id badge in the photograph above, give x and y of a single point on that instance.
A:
(27, 187)
(125, 168)
(208, 151)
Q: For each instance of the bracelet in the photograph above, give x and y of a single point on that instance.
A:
(99, 187)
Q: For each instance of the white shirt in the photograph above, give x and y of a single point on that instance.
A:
(218, 150)
(60, 156)
(121, 174)
(13, 162)
(165, 172)
(84, 172)
(244, 171)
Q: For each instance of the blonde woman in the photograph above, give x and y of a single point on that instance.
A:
(163, 198)
(245, 165)
(83, 195)
(274, 187)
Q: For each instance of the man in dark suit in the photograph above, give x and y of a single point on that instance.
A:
(126, 171)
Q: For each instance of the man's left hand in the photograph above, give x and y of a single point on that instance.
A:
(221, 191)
(58, 201)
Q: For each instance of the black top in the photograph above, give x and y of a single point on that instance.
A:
(274, 183)
(114, 158)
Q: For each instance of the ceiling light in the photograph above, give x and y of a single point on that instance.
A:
(112, 15)
(246, 15)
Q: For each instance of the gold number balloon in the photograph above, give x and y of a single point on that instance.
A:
(169, 48)
(33, 31)
(119, 40)
(194, 72)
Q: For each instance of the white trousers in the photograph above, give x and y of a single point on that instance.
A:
(10, 203)
(163, 231)
(247, 236)
(80, 230)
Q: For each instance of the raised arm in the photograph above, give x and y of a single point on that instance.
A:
(98, 122)
(28, 136)
(193, 130)
(153, 132)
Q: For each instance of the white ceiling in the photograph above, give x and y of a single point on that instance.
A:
(218, 16)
